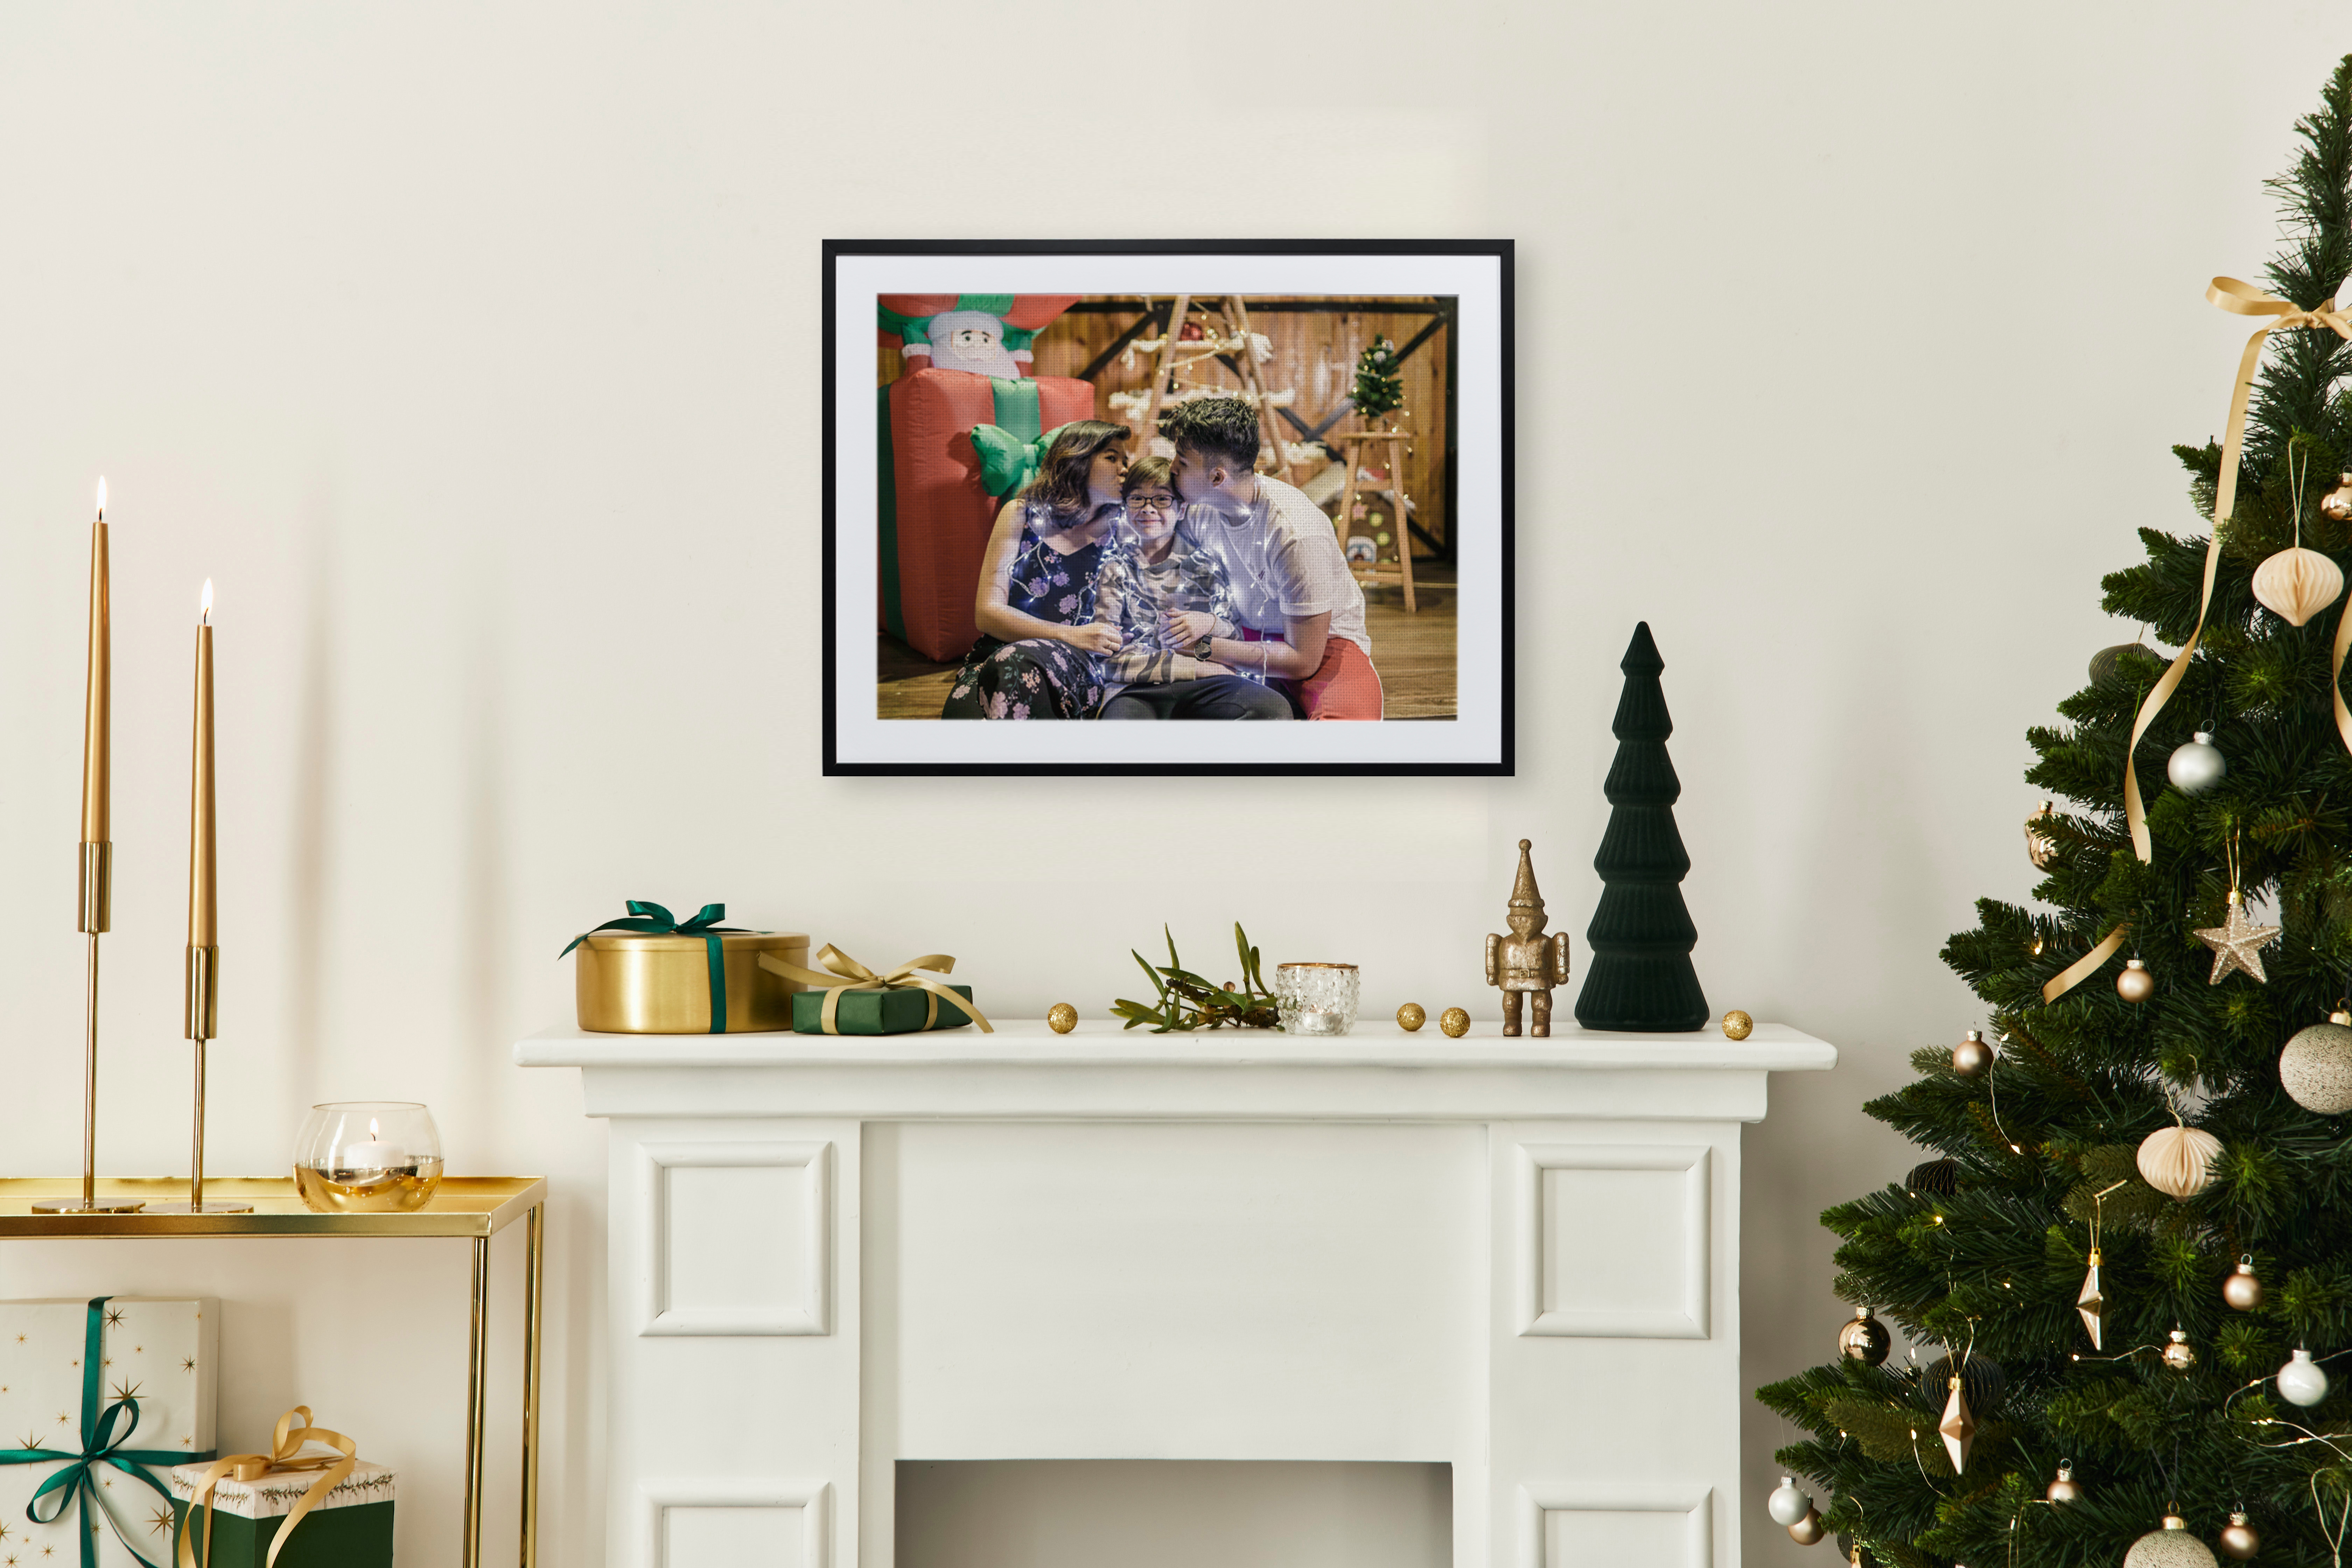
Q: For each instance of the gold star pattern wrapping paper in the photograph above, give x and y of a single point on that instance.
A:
(163, 1350)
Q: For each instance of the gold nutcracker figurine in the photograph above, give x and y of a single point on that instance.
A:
(1526, 962)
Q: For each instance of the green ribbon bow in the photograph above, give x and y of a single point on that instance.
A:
(1006, 461)
(650, 918)
(101, 1445)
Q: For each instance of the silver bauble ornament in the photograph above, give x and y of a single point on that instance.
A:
(2241, 1289)
(2315, 1068)
(2170, 1547)
(2179, 1355)
(1971, 1055)
(2301, 1381)
(1787, 1504)
(1809, 1529)
(2040, 848)
(2065, 1488)
(2196, 766)
(2134, 983)
(2239, 1541)
(1864, 1339)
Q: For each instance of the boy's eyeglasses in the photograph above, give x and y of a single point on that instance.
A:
(1162, 504)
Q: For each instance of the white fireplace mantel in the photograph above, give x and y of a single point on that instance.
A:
(831, 1254)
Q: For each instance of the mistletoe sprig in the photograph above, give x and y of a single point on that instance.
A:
(1188, 1001)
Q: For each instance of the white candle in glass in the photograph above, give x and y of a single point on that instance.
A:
(373, 1155)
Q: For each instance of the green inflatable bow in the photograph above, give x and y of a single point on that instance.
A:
(1006, 461)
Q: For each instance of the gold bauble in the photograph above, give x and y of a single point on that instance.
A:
(2336, 504)
(1455, 1022)
(1737, 1024)
(2134, 983)
(1061, 1018)
(2178, 1161)
(1411, 1018)
(2040, 848)
(2297, 585)
(2065, 1488)
(2241, 1289)
(2179, 1355)
(1809, 1529)
(1971, 1055)
(2239, 1541)
(1864, 1339)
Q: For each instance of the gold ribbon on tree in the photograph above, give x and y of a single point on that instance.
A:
(848, 974)
(2242, 299)
(286, 1455)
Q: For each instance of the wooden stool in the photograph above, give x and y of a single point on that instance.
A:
(1377, 572)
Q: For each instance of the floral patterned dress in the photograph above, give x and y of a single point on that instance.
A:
(1035, 678)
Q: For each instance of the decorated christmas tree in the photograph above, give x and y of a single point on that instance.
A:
(2127, 1272)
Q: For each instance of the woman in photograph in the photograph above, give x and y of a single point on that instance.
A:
(1167, 597)
(1036, 602)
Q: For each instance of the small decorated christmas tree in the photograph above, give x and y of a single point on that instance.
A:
(1641, 936)
(1380, 390)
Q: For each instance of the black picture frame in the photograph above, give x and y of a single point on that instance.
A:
(1114, 262)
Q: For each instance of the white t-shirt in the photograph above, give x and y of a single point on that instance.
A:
(1284, 560)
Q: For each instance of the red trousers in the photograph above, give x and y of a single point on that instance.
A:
(1344, 686)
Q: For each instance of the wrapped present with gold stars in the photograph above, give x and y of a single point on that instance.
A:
(99, 1398)
(309, 1503)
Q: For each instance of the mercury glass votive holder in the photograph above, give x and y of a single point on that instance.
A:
(1317, 998)
(367, 1156)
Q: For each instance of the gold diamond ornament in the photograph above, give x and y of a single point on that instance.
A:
(2092, 1304)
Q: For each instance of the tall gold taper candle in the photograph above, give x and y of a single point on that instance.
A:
(203, 915)
(95, 907)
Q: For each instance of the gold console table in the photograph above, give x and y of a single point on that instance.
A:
(474, 1208)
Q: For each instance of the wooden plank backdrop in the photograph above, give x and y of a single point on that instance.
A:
(1315, 353)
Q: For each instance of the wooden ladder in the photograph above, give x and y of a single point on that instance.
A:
(1358, 446)
(1228, 321)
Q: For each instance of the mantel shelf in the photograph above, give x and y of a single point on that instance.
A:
(1101, 1070)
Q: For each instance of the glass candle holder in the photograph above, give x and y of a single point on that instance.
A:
(367, 1156)
(1317, 998)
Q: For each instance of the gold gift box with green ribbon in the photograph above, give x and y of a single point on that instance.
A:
(652, 974)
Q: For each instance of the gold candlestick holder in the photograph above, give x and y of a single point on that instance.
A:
(203, 1009)
(94, 914)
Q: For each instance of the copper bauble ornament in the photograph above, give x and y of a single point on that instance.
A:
(1410, 1017)
(2316, 1068)
(2179, 1355)
(2297, 585)
(2178, 1161)
(2241, 1289)
(2040, 848)
(1809, 1529)
(1061, 1018)
(2124, 665)
(1787, 1504)
(1455, 1022)
(2134, 983)
(2336, 504)
(2196, 766)
(2170, 1547)
(2239, 1540)
(2065, 1488)
(1736, 1025)
(1864, 1339)
(1936, 1178)
(1971, 1055)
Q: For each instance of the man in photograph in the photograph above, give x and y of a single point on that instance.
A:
(1290, 579)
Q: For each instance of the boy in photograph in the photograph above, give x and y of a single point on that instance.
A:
(1289, 577)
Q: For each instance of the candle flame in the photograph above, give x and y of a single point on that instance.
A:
(101, 498)
(373, 1136)
(207, 613)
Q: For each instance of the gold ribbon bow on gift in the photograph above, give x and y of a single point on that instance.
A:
(848, 974)
(285, 1455)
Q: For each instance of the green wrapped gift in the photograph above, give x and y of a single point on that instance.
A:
(349, 1527)
(880, 1012)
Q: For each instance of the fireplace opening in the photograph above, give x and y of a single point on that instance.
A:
(1174, 1513)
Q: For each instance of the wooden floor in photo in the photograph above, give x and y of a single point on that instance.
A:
(1414, 655)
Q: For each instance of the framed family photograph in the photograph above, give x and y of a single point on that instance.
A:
(1168, 507)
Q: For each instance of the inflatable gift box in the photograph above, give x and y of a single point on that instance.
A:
(967, 363)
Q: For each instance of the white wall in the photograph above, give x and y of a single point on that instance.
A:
(473, 350)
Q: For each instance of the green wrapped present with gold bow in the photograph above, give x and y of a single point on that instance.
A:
(851, 999)
(309, 1503)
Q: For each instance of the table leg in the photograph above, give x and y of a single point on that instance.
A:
(533, 1285)
(477, 1381)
